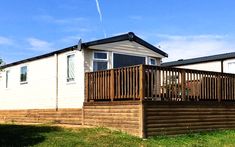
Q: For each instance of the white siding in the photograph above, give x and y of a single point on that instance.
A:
(40, 91)
(88, 55)
(71, 94)
(208, 66)
(122, 47)
(128, 47)
(226, 65)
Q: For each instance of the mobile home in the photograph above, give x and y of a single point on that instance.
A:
(56, 80)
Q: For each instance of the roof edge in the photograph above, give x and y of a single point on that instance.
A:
(204, 59)
(71, 48)
(128, 36)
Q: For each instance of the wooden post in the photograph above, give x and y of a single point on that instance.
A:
(142, 125)
(222, 87)
(87, 87)
(83, 115)
(112, 85)
(183, 85)
(219, 90)
(142, 82)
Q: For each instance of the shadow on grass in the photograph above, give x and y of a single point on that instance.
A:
(23, 135)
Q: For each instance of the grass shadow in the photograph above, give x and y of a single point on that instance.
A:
(23, 135)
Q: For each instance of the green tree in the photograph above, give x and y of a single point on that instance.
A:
(1, 63)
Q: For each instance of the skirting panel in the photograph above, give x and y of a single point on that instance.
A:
(62, 116)
(125, 116)
(170, 118)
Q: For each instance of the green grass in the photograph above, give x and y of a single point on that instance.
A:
(45, 135)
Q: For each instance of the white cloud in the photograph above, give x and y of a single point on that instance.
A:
(98, 10)
(39, 45)
(184, 47)
(5, 41)
(101, 16)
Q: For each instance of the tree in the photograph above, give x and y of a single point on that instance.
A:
(1, 63)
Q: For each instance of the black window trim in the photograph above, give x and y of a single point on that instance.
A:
(128, 54)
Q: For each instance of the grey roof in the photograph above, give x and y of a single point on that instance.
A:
(128, 36)
(218, 57)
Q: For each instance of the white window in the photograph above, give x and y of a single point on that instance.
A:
(152, 61)
(231, 67)
(100, 61)
(7, 78)
(23, 74)
(70, 68)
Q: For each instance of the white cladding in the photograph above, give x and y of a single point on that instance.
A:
(40, 90)
(228, 66)
(122, 47)
(127, 47)
(207, 66)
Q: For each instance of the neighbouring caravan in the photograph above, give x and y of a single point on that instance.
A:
(224, 63)
(56, 80)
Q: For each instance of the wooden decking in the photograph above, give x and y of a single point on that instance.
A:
(144, 82)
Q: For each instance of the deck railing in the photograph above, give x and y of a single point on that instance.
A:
(144, 82)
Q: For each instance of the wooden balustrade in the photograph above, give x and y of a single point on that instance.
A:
(144, 82)
(114, 84)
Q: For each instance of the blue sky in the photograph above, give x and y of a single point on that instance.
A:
(183, 28)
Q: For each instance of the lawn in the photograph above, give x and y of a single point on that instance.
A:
(46, 135)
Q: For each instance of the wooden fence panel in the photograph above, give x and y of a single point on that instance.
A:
(144, 82)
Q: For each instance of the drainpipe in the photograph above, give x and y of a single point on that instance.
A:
(222, 66)
(56, 91)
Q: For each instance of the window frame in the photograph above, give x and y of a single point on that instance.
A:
(7, 79)
(228, 66)
(151, 58)
(26, 80)
(100, 60)
(68, 79)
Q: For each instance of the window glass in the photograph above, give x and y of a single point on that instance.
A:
(99, 66)
(7, 78)
(100, 55)
(231, 67)
(23, 74)
(152, 61)
(121, 60)
(70, 68)
(100, 61)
